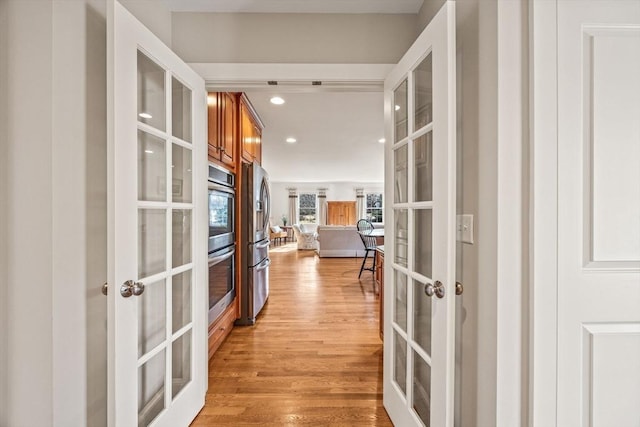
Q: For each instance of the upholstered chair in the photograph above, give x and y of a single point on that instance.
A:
(306, 240)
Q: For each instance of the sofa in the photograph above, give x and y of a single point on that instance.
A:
(339, 241)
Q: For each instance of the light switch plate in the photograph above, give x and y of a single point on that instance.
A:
(464, 228)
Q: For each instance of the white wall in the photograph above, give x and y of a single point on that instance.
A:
(343, 191)
(3, 216)
(292, 38)
(55, 128)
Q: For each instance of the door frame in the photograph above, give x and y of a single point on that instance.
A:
(511, 364)
(543, 215)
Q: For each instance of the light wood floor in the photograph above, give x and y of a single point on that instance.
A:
(314, 356)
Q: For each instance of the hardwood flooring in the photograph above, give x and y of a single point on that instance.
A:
(314, 357)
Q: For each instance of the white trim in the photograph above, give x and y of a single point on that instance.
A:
(510, 224)
(341, 253)
(293, 77)
(544, 215)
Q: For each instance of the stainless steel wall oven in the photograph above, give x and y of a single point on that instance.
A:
(222, 226)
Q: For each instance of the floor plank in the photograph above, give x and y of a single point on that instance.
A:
(314, 356)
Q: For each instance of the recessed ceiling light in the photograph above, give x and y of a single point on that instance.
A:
(291, 140)
(397, 107)
(382, 140)
(145, 115)
(277, 100)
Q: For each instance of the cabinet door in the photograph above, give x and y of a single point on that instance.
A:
(246, 129)
(228, 117)
(257, 148)
(213, 115)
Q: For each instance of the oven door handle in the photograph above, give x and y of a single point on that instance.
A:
(221, 188)
(264, 264)
(220, 258)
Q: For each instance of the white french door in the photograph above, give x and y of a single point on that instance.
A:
(420, 159)
(157, 371)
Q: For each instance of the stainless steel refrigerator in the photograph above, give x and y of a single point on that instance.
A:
(255, 241)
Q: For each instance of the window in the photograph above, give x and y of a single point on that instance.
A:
(308, 208)
(374, 208)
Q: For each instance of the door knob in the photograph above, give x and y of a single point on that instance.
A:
(459, 288)
(130, 287)
(437, 289)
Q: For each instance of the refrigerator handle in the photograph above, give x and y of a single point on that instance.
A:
(264, 264)
(263, 245)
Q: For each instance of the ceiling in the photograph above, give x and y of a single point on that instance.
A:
(337, 136)
(337, 132)
(296, 6)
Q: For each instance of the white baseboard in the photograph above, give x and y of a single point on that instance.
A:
(341, 253)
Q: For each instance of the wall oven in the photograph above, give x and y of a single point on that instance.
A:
(222, 223)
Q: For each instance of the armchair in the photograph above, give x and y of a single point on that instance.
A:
(276, 234)
(306, 240)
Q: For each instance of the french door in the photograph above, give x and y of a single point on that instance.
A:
(157, 367)
(420, 155)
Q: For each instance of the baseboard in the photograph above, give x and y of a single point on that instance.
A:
(341, 253)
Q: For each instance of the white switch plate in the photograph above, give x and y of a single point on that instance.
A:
(464, 228)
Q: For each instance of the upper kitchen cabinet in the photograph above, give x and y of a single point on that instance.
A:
(223, 123)
(250, 131)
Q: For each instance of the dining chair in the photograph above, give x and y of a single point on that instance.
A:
(365, 227)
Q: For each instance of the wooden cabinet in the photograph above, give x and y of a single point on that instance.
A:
(341, 213)
(379, 277)
(223, 124)
(250, 132)
(221, 328)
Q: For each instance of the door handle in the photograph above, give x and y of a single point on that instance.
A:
(130, 287)
(437, 289)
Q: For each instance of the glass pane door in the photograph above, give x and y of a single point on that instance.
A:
(165, 238)
(157, 230)
(418, 386)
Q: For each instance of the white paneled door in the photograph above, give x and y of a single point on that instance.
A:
(157, 368)
(420, 172)
(598, 373)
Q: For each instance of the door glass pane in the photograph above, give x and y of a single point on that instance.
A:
(151, 317)
(400, 361)
(422, 247)
(401, 174)
(181, 361)
(180, 110)
(151, 97)
(423, 169)
(400, 301)
(151, 389)
(152, 168)
(422, 389)
(421, 317)
(151, 241)
(402, 234)
(400, 108)
(181, 300)
(181, 237)
(423, 93)
(181, 174)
